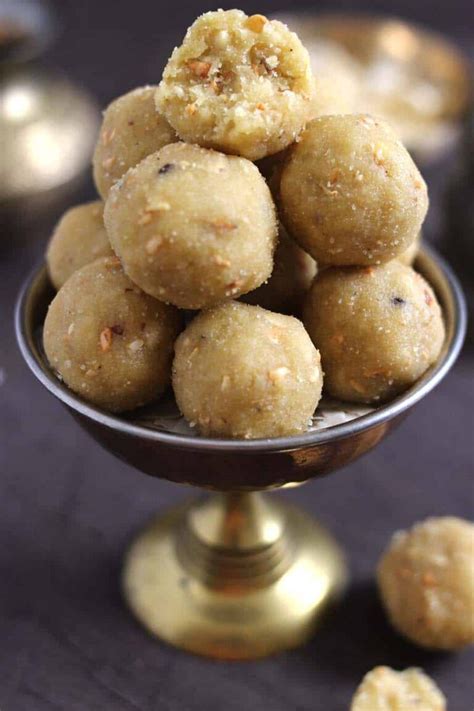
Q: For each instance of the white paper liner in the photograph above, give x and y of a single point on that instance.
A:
(164, 416)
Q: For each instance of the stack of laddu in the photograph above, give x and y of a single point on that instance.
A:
(221, 191)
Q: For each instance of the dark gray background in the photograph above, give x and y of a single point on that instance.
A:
(68, 509)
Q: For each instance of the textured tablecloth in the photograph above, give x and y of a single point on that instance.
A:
(68, 509)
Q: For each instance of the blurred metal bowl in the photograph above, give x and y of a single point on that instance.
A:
(416, 79)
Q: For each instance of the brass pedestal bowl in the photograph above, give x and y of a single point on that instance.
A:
(234, 574)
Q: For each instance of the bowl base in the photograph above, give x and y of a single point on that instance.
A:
(233, 576)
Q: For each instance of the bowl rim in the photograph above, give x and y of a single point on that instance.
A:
(380, 415)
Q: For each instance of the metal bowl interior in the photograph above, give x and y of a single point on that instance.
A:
(225, 464)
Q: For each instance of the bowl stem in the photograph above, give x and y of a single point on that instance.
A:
(233, 576)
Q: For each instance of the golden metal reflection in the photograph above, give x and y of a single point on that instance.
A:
(233, 576)
(47, 131)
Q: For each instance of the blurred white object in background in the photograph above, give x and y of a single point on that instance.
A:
(47, 131)
(47, 124)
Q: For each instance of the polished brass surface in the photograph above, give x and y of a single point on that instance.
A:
(260, 588)
(236, 575)
(48, 128)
